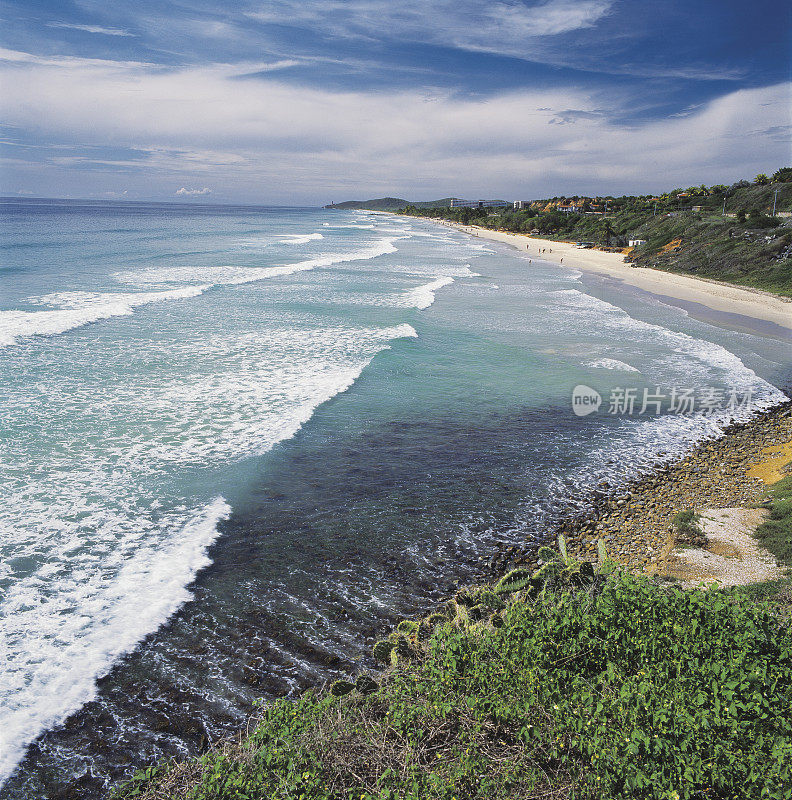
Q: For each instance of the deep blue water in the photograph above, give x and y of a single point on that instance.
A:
(238, 441)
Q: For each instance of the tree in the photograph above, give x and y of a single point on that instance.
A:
(762, 179)
(606, 231)
(783, 175)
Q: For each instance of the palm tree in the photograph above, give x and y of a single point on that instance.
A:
(606, 230)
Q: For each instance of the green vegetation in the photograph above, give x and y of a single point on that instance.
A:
(776, 532)
(587, 682)
(688, 529)
(685, 230)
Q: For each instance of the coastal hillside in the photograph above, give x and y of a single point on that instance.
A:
(387, 204)
(565, 678)
(725, 233)
(589, 685)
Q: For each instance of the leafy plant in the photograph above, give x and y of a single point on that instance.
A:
(630, 691)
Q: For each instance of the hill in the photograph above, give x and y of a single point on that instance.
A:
(724, 233)
(388, 204)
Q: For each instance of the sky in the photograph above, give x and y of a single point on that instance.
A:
(306, 102)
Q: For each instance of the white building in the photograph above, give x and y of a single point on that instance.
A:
(636, 242)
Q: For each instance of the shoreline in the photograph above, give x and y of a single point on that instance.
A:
(719, 297)
(727, 463)
(634, 519)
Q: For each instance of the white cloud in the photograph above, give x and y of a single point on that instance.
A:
(501, 26)
(184, 191)
(91, 29)
(262, 138)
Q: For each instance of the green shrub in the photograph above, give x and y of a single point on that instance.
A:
(776, 532)
(688, 528)
(628, 691)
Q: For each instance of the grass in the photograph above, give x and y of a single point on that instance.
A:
(569, 683)
(723, 250)
(775, 533)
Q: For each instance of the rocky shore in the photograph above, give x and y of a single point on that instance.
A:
(635, 522)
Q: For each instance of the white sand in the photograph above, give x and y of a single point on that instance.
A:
(732, 556)
(722, 297)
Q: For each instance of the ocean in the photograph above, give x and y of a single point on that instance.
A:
(236, 443)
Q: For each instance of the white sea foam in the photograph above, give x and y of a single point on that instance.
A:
(104, 559)
(351, 225)
(62, 632)
(611, 363)
(692, 359)
(268, 386)
(299, 238)
(228, 275)
(424, 296)
(80, 309)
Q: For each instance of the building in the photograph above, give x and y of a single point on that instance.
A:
(572, 207)
(492, 204)
(457, 203)
(519, 205)
(636, 242)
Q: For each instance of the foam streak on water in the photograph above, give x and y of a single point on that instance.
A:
(66, 626)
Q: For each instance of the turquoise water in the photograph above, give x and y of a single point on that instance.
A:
(237, 441)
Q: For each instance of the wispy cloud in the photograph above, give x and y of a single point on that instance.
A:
(90, 29)
(185, 192)
(523, 29)
(506, 28)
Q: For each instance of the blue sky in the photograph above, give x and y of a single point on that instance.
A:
(306, 101)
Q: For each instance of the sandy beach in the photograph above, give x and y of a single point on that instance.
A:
(720, 297)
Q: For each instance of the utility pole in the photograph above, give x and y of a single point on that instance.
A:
(775, 197)
(723, 213)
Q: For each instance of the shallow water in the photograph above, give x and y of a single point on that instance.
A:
(237, 442)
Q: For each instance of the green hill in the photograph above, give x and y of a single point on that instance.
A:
(389, 204)
(724, 233)
(379, 204)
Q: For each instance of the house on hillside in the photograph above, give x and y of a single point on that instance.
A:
(571, 207)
